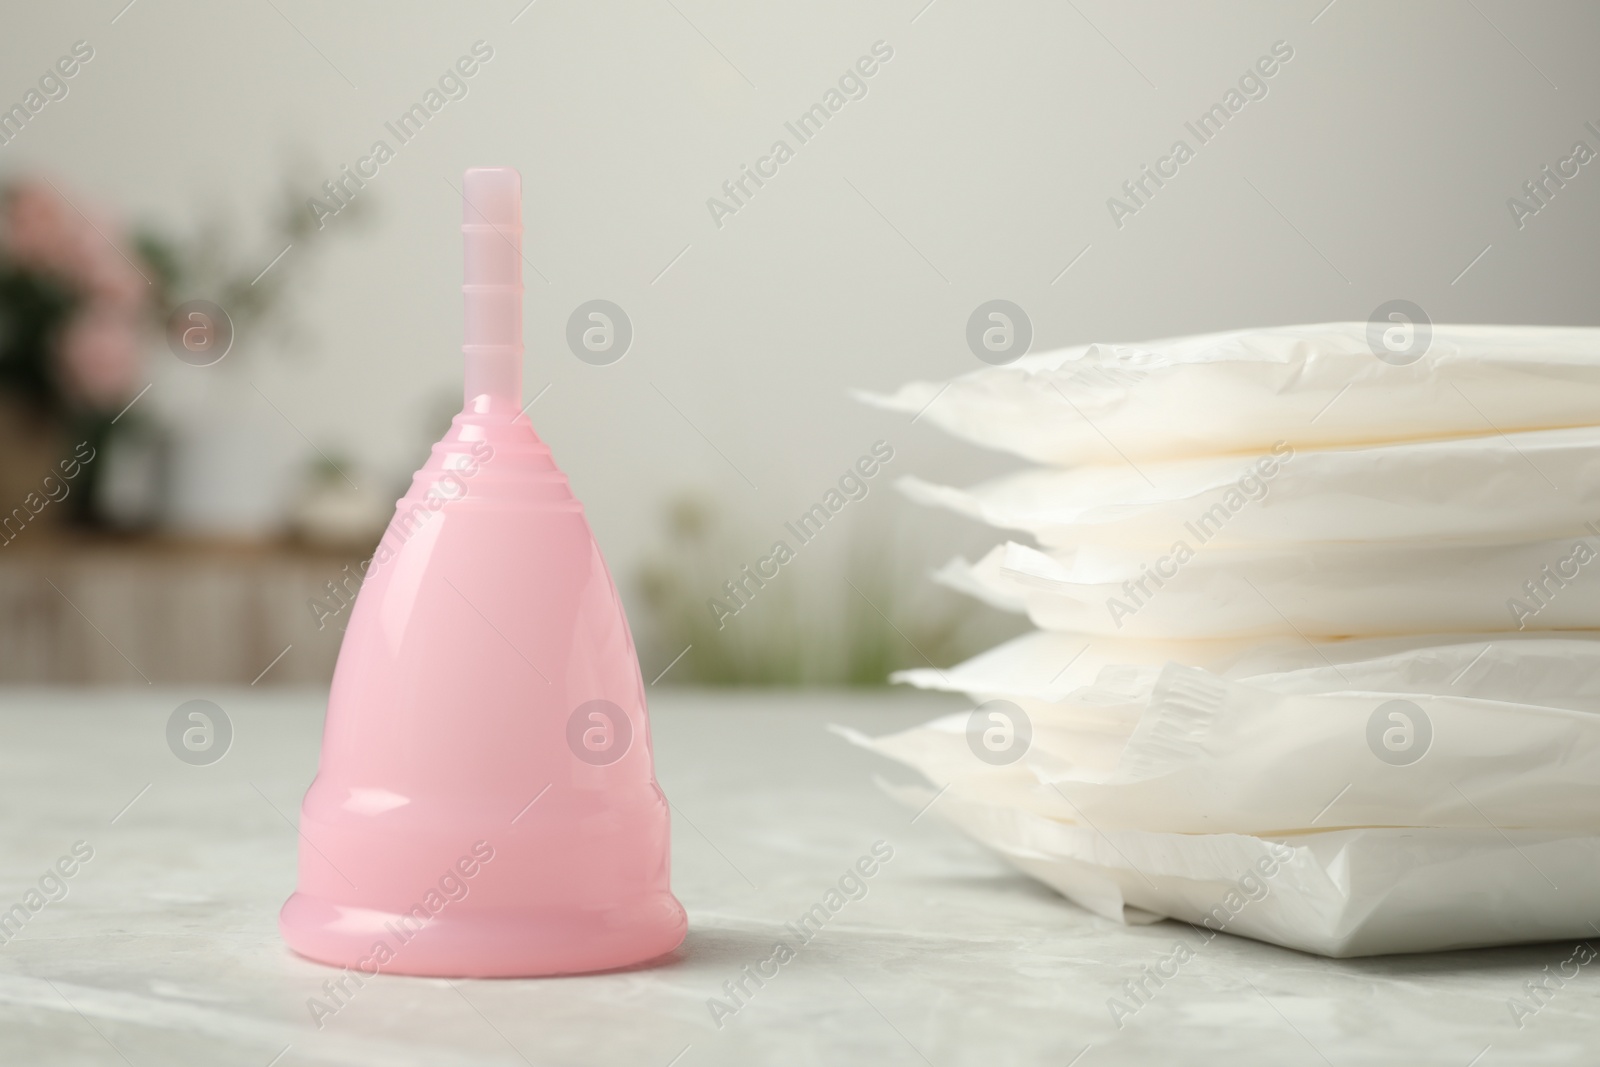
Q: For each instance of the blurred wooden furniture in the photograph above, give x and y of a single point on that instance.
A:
(101, 611)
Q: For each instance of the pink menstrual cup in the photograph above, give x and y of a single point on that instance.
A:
(486, 804)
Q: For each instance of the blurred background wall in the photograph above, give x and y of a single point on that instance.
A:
(185, 157)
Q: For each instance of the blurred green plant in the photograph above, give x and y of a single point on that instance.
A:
(211, 262)
(877, 612)
(81, 296)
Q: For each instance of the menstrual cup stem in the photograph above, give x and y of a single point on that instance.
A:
(491, 233)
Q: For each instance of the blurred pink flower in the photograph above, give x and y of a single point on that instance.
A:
(99, 353)
(99, 350)
(39, 227)
(107, 276)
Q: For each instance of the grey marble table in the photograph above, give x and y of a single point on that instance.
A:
(164, 949)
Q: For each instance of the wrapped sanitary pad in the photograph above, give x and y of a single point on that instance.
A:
(1542, 483)
(1197, 754)
(1513, 667)
(1243, 392)
(1341, 893)
(1318, 590)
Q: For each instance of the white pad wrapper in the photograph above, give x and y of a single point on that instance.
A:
(1242, 392)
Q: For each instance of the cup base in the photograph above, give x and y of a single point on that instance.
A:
(483, 944)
